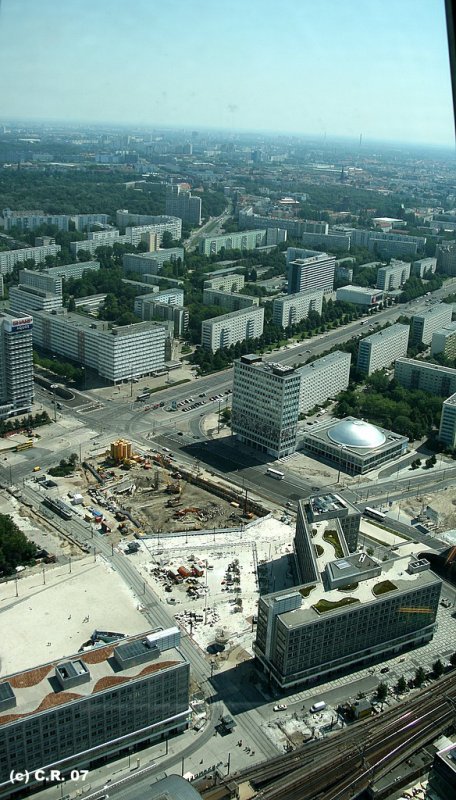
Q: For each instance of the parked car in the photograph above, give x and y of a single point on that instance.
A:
(280, 707)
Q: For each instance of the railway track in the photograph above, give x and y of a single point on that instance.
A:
(344, 764)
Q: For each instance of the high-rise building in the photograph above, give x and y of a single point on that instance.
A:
(244, 240)
(41, 280)
(446, 258)
(27, 299)
(265, 405)
(447, 430)
(444, 341)
(295, 227)
(293, 308)
(424, 324)
(76, 270)
(231, 301)
(92, 705)
(315, 631)
(432, 378)
(393, 276)
(382, 348)
(424, 266)
(180, 203)
(151, 263)
(16, 364)
(311, 270)
(117, 353)
(323, 378)
(237, 326)
(225, 283)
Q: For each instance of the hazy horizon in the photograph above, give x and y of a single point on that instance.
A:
(323, 72)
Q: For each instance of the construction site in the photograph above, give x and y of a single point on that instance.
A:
(160, 496)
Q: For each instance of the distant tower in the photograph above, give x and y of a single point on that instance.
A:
(360, 140)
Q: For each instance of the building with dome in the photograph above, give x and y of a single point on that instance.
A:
(353, 445)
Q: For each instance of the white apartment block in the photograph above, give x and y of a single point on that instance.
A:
(225, 283)
(444, 341)
(147, 308)
(382, 348)
(84, 221)
(295, 227)
(9, 258)
(76, 270)
(247, 240)
(265, 405)
(171, 297)
(2, 289)
(387, 244)
(432, 378)
(338, 241)
(393, 276)
(41, 280)
(359, 295)
(133, 235)
(117, 354)
(310, 270)
(423, 266)
(424, 324)
(231, 301)
(322, 379)
(293, 308)
(447, 430)
(223, 331)
(27, 300)
(151, 263)
(29, 220)
(16, 364)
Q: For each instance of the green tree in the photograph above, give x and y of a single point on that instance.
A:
(420, 677)
(401, 685)
(437, 668)
(15, 548)
(382, 692)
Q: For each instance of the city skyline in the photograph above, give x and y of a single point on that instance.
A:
(297, 69)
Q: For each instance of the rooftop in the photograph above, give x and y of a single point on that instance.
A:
(88, 323)
(361, 289)
(387, 333)
(353, 434)
(242, 312)
(89, 672)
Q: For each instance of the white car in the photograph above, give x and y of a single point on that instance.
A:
(280, 707)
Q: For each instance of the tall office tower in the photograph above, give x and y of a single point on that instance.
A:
(16, 364)
(180, 203)
(265, 405)
(382, 348)
(447, 431)
(424, 324)
(311, 271)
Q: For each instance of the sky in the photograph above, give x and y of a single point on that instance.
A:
(311, 67)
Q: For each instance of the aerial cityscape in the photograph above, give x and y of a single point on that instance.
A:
(228, 406)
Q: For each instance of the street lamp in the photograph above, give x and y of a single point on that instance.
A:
(54, 386)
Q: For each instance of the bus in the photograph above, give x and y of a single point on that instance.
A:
(372, 512)
(141, 397)
(275, 473)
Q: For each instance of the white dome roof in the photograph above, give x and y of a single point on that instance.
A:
(356, 433)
